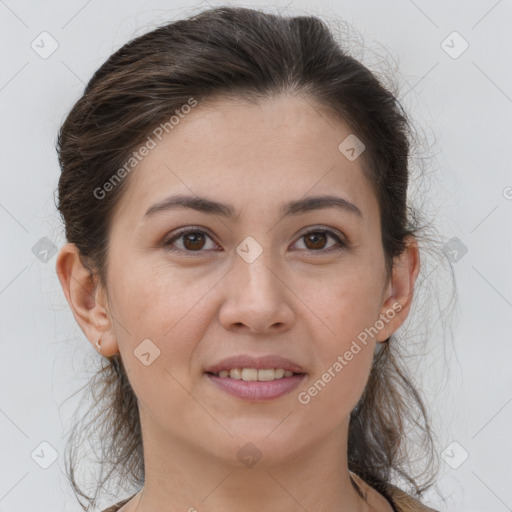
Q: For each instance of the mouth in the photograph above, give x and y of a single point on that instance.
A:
(254, 374)
(245, 366)
(256, 378)
(256, 390)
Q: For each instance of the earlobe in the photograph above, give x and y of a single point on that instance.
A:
(400, 291)
(85, 298)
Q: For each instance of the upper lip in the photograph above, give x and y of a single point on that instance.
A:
(258, 362)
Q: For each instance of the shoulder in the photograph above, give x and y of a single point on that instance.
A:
(405, 502)
(402, 501)
(390, 498)
(118, 505)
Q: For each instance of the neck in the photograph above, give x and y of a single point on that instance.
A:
(179, 476)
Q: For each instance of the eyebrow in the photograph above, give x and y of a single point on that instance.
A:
(212, 207)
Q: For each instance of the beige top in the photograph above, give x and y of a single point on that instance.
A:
(398, 499)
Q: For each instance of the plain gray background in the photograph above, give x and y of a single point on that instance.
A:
(463, 102)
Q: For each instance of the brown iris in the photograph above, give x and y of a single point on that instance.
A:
(317, 238)
(193, 241)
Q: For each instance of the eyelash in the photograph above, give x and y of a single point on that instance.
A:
(342, 245)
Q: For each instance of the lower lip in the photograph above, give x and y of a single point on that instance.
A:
(257, 390)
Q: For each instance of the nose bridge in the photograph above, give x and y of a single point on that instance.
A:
(255, 267)
(255, 296)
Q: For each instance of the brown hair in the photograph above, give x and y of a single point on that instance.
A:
(239, 53)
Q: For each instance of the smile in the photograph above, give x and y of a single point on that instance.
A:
(253, 374)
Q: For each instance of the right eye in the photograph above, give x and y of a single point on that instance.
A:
(192, 240)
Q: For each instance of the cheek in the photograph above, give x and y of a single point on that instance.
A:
(348, 307)
(153, 300)
(161, 323)
(164, 307)
(345, 363)
(345, 304)
(334, 392)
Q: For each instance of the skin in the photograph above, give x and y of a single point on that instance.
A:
(294, 300)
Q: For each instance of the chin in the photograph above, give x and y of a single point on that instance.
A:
(257, 449)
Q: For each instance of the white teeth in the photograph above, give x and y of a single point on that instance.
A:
(252, 374)
(279, 373)
(236, 373)
(249, 374)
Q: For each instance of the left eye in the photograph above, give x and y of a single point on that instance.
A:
(195, 240)
(319, 237)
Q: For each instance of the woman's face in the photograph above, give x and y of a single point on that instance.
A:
(248, 281)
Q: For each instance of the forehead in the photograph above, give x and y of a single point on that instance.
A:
(243, 153)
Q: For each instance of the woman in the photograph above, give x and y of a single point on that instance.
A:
(234, 193)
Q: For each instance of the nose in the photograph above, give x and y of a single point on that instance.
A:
(257, 299)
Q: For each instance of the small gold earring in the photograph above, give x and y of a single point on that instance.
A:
(98, 345)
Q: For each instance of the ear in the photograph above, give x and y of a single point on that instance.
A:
(399, 293)
(87, 300)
